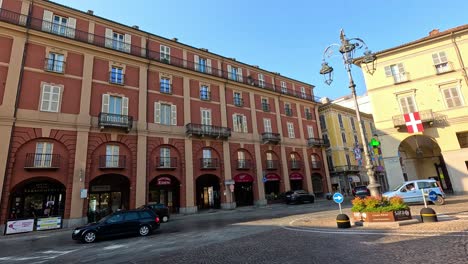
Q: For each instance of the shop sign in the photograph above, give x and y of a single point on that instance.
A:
(19, 226)
(243, 177)
(164, 181)
(100, 188)
(295, 176)
(272, 177)
(49, 223)
(227, 182)
(83, 193)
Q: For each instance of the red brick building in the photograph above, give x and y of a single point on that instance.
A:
(96, 116)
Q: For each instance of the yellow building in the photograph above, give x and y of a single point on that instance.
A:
(428, 76)
(340, 128)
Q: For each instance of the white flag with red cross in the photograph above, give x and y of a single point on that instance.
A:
(413, 122)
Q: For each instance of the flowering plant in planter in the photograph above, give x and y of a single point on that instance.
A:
(380, 209)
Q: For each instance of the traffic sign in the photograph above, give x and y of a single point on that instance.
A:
(433, 196)
(338, 198)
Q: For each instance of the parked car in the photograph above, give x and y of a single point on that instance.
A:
(140, 221)
(299, 196)
(160, 209)
(410, 191)
(361, 191)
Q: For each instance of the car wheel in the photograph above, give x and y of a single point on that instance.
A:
(144, 230)
(440, 200)
(89, 237)
(165, 219)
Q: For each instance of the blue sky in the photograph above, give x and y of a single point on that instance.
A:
(285, 36)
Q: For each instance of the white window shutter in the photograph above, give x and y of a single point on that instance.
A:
(388, 71)
(157, 113)
(443, 57)
(435, 58)
(239, 74)
(124, 105)
(229, 69)
(401, 69)
(196, 60)
(174, 115)
(46, 89)
(47, 21)
(71, 27)
(234, 123)
(208, 65)
(128, 42)
(244, 124)
(108, 41)
(105, 103)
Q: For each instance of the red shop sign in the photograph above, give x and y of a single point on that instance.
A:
(164, 181)
(296, 176)
(243, 177)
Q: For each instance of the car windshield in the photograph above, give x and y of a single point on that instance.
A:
(360, 188)
(398, 187)
(104, 219)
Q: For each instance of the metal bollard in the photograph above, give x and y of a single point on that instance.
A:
(342, 221)
(428, 215)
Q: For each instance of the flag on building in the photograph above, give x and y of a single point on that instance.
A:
(413, 122)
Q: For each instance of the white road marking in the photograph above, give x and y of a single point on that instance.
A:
(113, 247)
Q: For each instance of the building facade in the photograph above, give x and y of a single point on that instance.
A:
(96, 116)
(428, 77)
(345, 149)
(348, 101)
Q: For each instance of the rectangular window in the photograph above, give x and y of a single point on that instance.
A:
(118, 41)
(43, 155)
(303, 92)
(323, 124)
(165, 85)
(353, 126)
(205, 92)
(343, 136)
(269, 156)
(310, 131)
(59, 25)
(340, 120)
(356, 139)
(165, 54)
(234, 73)
(238, 99)
(206, 117)
(207, 160)
(290, 130)
(112, 156)
(116, 75)
(55, 63)
(239, 123)
(165, 114)
(265, 105)
(202, 65)
(261, 80)
(348, 161)
(287, 109)
(440, 62)
(284, 89)
(267, 125)
(452, 97)
(330, 162)
(364, 128)
(407, 104)
(165, 157)
(397, 71)
(50, 99)
(114, 105)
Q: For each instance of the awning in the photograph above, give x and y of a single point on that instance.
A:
(296, 176)
(272, 177)
(353, 178)
(243, 177)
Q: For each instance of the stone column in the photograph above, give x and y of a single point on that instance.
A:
(140, 193)
(258, 155)
(284, 161)
(307, 176)
(230, 200)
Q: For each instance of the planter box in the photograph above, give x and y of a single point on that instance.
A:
(382, 217)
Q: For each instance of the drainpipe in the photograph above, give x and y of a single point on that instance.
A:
(460, 59)
(18, 92)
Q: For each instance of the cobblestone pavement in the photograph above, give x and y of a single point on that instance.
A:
(275, 234)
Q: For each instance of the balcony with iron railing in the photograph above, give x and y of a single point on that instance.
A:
(108, 120)
(112, 162)
(401, 77)
(119, 46)
(116, 78)
(271, 164)
(42, 161)
(426, 116)
(52, 65)
(238, 101)
(318, 142)
(209, 163)
(166, 163)
(316, 165)
(346, 168)
(273, 138)
(295, 164)
(443, 67)
(308, 116)
(243, 164)
(207, 131)
(288, 111)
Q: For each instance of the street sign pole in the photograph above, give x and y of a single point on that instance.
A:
(341, 212)
(424, 198)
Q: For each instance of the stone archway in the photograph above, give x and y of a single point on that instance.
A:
(208, 192)
(108, 193)
(317, 183)
(421, 158)
(165, 189)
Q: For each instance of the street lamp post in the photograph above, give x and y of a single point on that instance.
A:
(347, 49)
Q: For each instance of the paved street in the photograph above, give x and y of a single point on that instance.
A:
(275, 234)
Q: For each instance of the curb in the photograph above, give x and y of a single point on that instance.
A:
(391, 225)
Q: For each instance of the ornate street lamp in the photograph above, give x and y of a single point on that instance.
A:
(347, 48)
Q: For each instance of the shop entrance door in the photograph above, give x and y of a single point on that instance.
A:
(208, 192)
(102, 204)
(244, 193)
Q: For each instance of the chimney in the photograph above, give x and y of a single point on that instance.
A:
(434, 32)
(325, 100)
(135, 27)
(91, 12)
(204, 49)
(234, 59)
(256, 66)
(175, 39)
